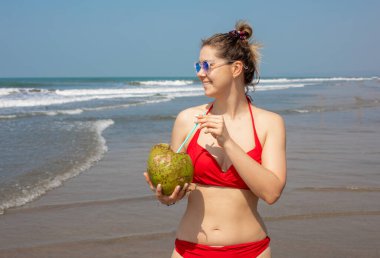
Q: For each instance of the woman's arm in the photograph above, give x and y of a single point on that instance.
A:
(266, 180)
(181, 127)
(178, 135)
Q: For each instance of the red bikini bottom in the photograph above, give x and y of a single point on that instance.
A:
(252, 249)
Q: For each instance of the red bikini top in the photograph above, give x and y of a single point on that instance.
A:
(206, 169)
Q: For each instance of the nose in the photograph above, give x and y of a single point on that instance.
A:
(201, 72)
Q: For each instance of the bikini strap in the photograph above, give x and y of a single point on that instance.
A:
(257, 141)
(208, 111)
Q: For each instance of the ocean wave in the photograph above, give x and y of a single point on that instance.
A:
(65, 112)
(81, 110)
(59, 97)
(81, 204)
(38, 102)
(287, 80)
(5, 117)
(115, 92)
(30, 193)
(163, 83)
(42, 113)
(278, 87)
(200, 92)
(53, 100)
(7, 91)
(301, 111)
(358, 103)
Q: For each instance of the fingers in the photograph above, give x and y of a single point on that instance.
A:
(177, 194)
(168, 200)
(215, 129)
(191, 187)
(159, 191)
(214, 125)
(210, 124)
(209, 118)
(183, 191)
(210, 121)
(147, 179)
(174, 196)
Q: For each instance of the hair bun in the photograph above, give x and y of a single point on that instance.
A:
(243, 28)
(243, 35)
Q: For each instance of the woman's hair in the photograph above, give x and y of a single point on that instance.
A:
(236, 45)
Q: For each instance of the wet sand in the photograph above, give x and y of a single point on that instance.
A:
(329, 208)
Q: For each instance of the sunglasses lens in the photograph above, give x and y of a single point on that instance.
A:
(205, 66)
(197, 67)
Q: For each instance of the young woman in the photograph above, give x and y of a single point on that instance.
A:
(238, 153)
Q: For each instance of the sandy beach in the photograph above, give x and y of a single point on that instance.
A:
(329, 207)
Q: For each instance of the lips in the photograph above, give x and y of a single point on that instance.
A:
(205, 85)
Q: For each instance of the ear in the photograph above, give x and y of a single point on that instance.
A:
(237, 68)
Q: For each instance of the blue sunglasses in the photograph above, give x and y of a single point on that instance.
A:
(206, 66)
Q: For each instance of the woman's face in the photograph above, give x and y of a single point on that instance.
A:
(217, 80)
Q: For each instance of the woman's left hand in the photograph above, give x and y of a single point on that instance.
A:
(214, 124)
(177, 195)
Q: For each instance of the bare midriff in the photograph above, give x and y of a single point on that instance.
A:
(219, 216)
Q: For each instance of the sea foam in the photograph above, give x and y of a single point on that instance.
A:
(164, 82)
(287, 80)
(29, 193)
(59, 97)
(279, 87)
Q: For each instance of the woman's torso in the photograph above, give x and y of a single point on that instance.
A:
(217, 215)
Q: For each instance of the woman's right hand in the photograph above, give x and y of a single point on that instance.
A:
(177, 194)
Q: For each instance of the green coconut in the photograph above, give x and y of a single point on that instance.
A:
(169, 168)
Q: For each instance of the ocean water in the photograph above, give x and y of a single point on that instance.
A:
(53, 129)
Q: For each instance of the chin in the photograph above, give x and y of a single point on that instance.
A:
(209, 94)
(209, 90)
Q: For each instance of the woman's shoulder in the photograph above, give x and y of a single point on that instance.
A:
(188, 114)
(265, 114)
(266, 119)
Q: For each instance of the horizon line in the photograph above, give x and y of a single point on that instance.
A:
(180, 76)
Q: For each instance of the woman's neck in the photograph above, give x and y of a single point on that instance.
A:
(230, 106)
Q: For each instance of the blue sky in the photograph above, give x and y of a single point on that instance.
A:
(75, 38)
